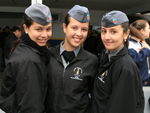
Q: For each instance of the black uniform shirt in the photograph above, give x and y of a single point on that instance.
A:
(62, 49)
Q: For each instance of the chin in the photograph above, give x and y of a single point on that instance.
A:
(42, 44)
(76, 45)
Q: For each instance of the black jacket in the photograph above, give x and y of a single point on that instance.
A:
(8, 44)
(90, 44)
(118, 86)
(69, 88)
(24, 83)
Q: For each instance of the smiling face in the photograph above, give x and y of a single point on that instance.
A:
(113, 37)
(76, 33)
(39, 33)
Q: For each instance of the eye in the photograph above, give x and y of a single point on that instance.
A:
(84, 29)
(38, 29)
(113, 32)
(103, 31)
(49, 29)
(74, 28)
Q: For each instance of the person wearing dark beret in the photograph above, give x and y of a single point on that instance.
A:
(24, 82)
(118, 85)
(72, 69)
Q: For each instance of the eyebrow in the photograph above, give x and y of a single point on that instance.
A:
(41, 26)
(110, 28)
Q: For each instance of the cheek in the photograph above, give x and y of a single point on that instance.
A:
(84, 35)
(50, 34)
(102, 37)
(33, 36)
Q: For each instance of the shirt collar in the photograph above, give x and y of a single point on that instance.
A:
(62, 49)
(113, 53)
(14, 34)
(131, 39)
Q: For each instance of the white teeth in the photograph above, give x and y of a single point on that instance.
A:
(77, 39)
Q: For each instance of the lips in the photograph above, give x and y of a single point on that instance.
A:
(107, 42)
(42, 40)
(77, 40)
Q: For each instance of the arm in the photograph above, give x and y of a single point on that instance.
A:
(31, 87)
(139, 57)
(125, 94)
(8, 101)
(93, 72)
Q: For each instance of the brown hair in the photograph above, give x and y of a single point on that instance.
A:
(125, 27)
(67, 19)
(136, 26)
(28, 22)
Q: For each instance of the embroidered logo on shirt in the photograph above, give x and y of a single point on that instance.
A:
(102, 76)
(77, 71)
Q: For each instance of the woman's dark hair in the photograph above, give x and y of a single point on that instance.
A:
(125, 27)
(67, 19)
(28, 22)
(136, 26)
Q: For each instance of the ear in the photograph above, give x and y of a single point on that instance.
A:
(64, 27)
(126, 34)
(25, 28)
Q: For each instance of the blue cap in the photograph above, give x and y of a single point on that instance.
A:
(39, 13)
(80, 13)
(114, 18)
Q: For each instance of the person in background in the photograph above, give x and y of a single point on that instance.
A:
(118, 85)
(91, 43)
(139, 50)
(24, 82)
(15, 35)
(71, 68)
(1, 49)
(148, 42)
(6, 32)
(48, 44)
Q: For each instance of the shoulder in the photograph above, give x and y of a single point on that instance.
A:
(134, 45)
(88, 56)
(24, 53)
(128, 64)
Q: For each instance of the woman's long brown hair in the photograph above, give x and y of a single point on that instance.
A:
(135, 28)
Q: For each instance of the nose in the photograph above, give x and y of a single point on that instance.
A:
(107, 36)
(79, 32)
(44, 34)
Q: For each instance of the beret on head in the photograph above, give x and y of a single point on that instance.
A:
(114, 18)
(39, 13)
(80, 13)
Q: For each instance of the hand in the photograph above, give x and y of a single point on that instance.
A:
(145, 45)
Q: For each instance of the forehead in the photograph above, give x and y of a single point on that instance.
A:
(77, 23)
(34, 24)
(114, 27)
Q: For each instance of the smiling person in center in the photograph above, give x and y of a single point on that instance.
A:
(71, 68)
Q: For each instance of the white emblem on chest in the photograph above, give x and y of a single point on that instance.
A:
(102, 76)
(77, 71)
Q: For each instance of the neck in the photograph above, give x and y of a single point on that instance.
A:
(67, 47)
(137, 39)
